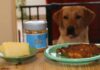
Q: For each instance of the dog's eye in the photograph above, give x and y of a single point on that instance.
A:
(78, 17)
(65, 17)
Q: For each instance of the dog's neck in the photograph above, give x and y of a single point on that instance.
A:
(83, 37)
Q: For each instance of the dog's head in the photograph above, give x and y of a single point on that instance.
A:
(72, 20)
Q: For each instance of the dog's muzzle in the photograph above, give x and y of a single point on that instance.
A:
(71, 31)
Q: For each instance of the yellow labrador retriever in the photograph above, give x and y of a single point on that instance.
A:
(73, 23)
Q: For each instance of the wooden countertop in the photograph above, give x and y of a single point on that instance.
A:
(41, 63)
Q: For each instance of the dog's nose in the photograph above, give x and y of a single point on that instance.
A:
(70, 30)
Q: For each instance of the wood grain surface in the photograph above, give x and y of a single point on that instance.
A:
(39, 62)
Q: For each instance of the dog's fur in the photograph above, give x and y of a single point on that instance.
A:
(73, 23)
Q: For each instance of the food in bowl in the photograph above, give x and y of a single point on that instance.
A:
(79, 51)
(15, 49)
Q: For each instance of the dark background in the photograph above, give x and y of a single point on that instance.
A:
(94, 27)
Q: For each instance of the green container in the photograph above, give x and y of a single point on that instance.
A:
(51, 54)
(21, 59)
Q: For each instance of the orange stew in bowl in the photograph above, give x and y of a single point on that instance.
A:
(79, 50)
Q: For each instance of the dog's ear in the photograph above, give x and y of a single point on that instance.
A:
(89, 15)
(57, 16)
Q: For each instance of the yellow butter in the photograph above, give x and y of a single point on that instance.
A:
(1, 48)
(15, 49)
